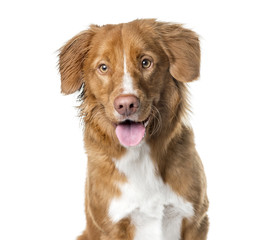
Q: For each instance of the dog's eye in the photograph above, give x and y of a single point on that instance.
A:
(146, 63)
(103, 68)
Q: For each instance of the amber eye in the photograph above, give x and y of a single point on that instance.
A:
(146, 63)
(103, 68)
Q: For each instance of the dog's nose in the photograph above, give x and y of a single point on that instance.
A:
(126, 104)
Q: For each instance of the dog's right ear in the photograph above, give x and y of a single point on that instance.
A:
(71, 58)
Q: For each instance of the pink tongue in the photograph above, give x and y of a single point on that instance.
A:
(130, 133)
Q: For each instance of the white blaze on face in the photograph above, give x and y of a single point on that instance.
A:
(128, 87)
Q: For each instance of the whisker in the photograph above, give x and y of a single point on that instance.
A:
(157, 124)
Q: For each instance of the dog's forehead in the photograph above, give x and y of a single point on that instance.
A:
(107, 40)
(119, 40)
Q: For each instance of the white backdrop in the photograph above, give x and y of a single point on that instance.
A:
(42, 160)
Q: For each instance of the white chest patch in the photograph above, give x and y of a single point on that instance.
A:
(156, 211)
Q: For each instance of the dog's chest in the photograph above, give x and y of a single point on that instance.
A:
(155, 210)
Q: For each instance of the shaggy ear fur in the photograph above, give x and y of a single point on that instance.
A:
(182, 48)
(71, 58)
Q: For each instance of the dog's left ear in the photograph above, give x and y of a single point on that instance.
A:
(182, 48)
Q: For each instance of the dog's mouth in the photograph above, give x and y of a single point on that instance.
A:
(131, 133)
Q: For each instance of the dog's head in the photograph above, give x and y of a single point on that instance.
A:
(131, 74)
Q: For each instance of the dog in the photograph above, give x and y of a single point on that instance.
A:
(145, 179)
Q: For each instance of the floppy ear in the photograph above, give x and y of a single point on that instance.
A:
(182, 48)
(71, 58)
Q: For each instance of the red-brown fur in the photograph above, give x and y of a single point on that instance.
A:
(163, 94)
